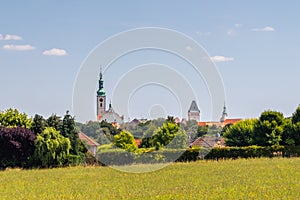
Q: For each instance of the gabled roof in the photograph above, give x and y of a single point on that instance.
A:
(208, 142)
(194, 107)
(89, 141)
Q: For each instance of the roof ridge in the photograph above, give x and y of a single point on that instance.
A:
(89, 139)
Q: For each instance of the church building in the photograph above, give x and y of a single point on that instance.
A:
(194, 114)
(109, 115)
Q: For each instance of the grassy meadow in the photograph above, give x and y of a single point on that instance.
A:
(230, 179)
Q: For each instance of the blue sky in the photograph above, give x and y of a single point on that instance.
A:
(255, 45)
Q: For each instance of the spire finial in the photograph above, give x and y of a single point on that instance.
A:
(100, 72)
(225, 109)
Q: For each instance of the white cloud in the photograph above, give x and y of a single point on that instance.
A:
(55, 52)
(12, 37)
(238, 25)
(265, 29)
(189, 48)
(18, 47)
(221, 59)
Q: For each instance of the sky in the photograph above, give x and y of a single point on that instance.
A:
(254, 45)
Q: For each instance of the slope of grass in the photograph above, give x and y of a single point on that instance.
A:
(230, 179)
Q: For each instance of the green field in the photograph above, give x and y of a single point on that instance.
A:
(230, 179)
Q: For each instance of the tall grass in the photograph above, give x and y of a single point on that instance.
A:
(229, 179)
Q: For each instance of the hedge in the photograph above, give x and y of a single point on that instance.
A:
(122, 157)
(244, 152)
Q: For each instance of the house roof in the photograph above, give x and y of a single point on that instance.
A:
(194, 107)
(208, 141)
(201, 123)
(231, 121)
(138, 142)
(209, 123)
(89, 141)
(227, 121)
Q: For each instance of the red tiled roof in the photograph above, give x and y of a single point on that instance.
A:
(231, 121)
(89, 141)
(227, 121)
(138, 142)
(201, 123)
(209, 123)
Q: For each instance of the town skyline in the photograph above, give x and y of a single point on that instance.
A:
(254, 45)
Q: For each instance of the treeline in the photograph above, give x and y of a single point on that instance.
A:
(270, 129)
(168, 135)
(37, 142)
(270, 135)
(103, 132)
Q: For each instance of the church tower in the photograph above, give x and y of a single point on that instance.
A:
(101, 98)
(224, 114)
(194, 112)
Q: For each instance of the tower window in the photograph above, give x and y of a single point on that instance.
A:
(100, 104)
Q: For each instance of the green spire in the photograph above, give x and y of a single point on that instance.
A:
(224, 110)
(101, 91)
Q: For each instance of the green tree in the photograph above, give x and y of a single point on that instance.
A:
(192, 128)
(13, 118)
(270, 128)
(103, 136)
(289, 136)
(202, 130)
(296, 116)
(147, 136)
(214, 130)
(241, 133)
(90, 128)
(164, 135)
(52, 149)
(125, 140)
(225, 128)
(179, 141)
(112, 129)
(171, 119)
(54, 121)
(69, 130)
(38, 124)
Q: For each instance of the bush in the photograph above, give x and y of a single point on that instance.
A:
(125, 140)
(52, 149)
(244, 152)
(17, 147)
(291, 151)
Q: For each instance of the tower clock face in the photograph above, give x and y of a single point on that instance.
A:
(101, 100)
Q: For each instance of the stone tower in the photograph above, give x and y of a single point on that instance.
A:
(194, 112)
(101, 98)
